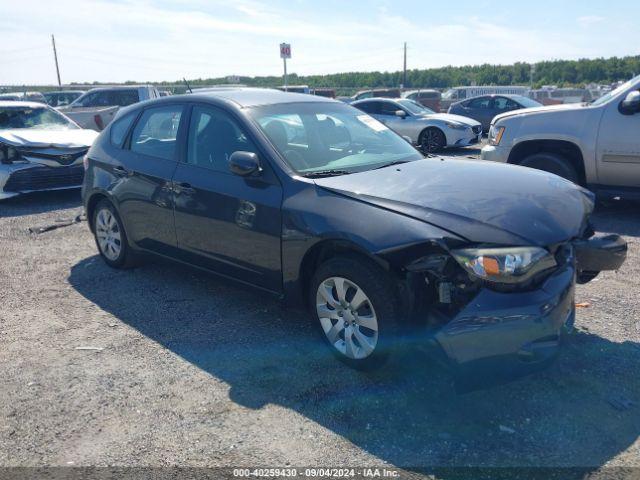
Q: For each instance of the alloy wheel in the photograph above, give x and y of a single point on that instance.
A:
(108, 234)
(347, 317)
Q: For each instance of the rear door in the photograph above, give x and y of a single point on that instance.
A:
(147, 165)
(225, 222)
(480, 109)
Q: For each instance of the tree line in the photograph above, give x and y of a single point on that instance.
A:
(553, 72)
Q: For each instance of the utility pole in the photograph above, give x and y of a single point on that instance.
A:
(404, 69)
(532, 72)
(55, 57)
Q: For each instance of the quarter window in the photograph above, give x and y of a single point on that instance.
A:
(120, 128)
(156, 131)
(213, 137)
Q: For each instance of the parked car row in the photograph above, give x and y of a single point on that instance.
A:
(317, 202)
(322, 204)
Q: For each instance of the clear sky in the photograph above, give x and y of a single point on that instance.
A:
(163, 40)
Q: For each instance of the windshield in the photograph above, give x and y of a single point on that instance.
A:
(605, 98)
(315, 137)
(33, 117)
(448, 95)
(415, 107)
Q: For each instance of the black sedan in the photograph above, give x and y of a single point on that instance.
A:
(485, 108)
(320, 204)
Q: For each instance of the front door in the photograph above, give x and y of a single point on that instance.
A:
(618, 148)
(148, 162)
(225, 222)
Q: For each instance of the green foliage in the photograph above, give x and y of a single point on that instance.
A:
(555, 72)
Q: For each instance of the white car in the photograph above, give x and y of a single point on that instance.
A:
(595, 144)
(40, 149)
(428, 130)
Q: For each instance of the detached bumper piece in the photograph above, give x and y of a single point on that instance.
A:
(598, 254)
(501, 336)
(44, 178)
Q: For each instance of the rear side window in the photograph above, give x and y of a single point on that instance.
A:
(156, 131)
(482, 102)
(124, 97)
(369, 107)
(120, 128)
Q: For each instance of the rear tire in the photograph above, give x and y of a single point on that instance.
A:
(355, 307)
(432, 140)
(552, 163)
(111, 238)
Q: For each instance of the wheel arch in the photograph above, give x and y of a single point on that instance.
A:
(91, 205)
(567, 149)
(325, 249)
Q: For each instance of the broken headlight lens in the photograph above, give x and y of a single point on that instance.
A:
(505, 265)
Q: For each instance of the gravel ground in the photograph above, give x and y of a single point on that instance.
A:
(194, 371)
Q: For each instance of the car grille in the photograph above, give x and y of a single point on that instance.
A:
(477, 129)
(45, 178)
(61, 158)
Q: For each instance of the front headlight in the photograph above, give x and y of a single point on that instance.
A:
(505, 265)
(455, 125)
(495, 135)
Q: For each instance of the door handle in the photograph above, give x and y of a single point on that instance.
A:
(183, 187)
(120, 171)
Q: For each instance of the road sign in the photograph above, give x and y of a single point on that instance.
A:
(285, 50)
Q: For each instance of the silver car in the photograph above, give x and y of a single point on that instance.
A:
(428, 130)
(40, 149)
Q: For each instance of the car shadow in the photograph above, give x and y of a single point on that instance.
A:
(580, 412)
(617, 216)
(40, 202)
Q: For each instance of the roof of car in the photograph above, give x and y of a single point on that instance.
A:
(251, 97)
(16, 103)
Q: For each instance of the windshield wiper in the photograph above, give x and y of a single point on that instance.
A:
(390, 164)
(326, 173)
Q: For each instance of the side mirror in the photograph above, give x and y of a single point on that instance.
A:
(631, 104)
(401, 113)
(244, 164)
(407, 139)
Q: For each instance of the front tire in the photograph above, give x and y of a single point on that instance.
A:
(552, 163)
(432, 140)
(354, 304)
(111, 238)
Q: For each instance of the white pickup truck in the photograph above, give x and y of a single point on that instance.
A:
(96, 108)
(595, 144)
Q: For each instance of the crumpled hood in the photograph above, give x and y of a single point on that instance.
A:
(484, 202)
(450, 117)
(44, 138)
(539, 110)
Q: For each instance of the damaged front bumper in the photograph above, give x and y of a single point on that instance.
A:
(18, 178)
(498, 336)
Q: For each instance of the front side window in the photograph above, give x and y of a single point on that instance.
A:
(389, 108)
(318, 137)
(213, 137)
(503, 103)
(29, 117)
(156, 131)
